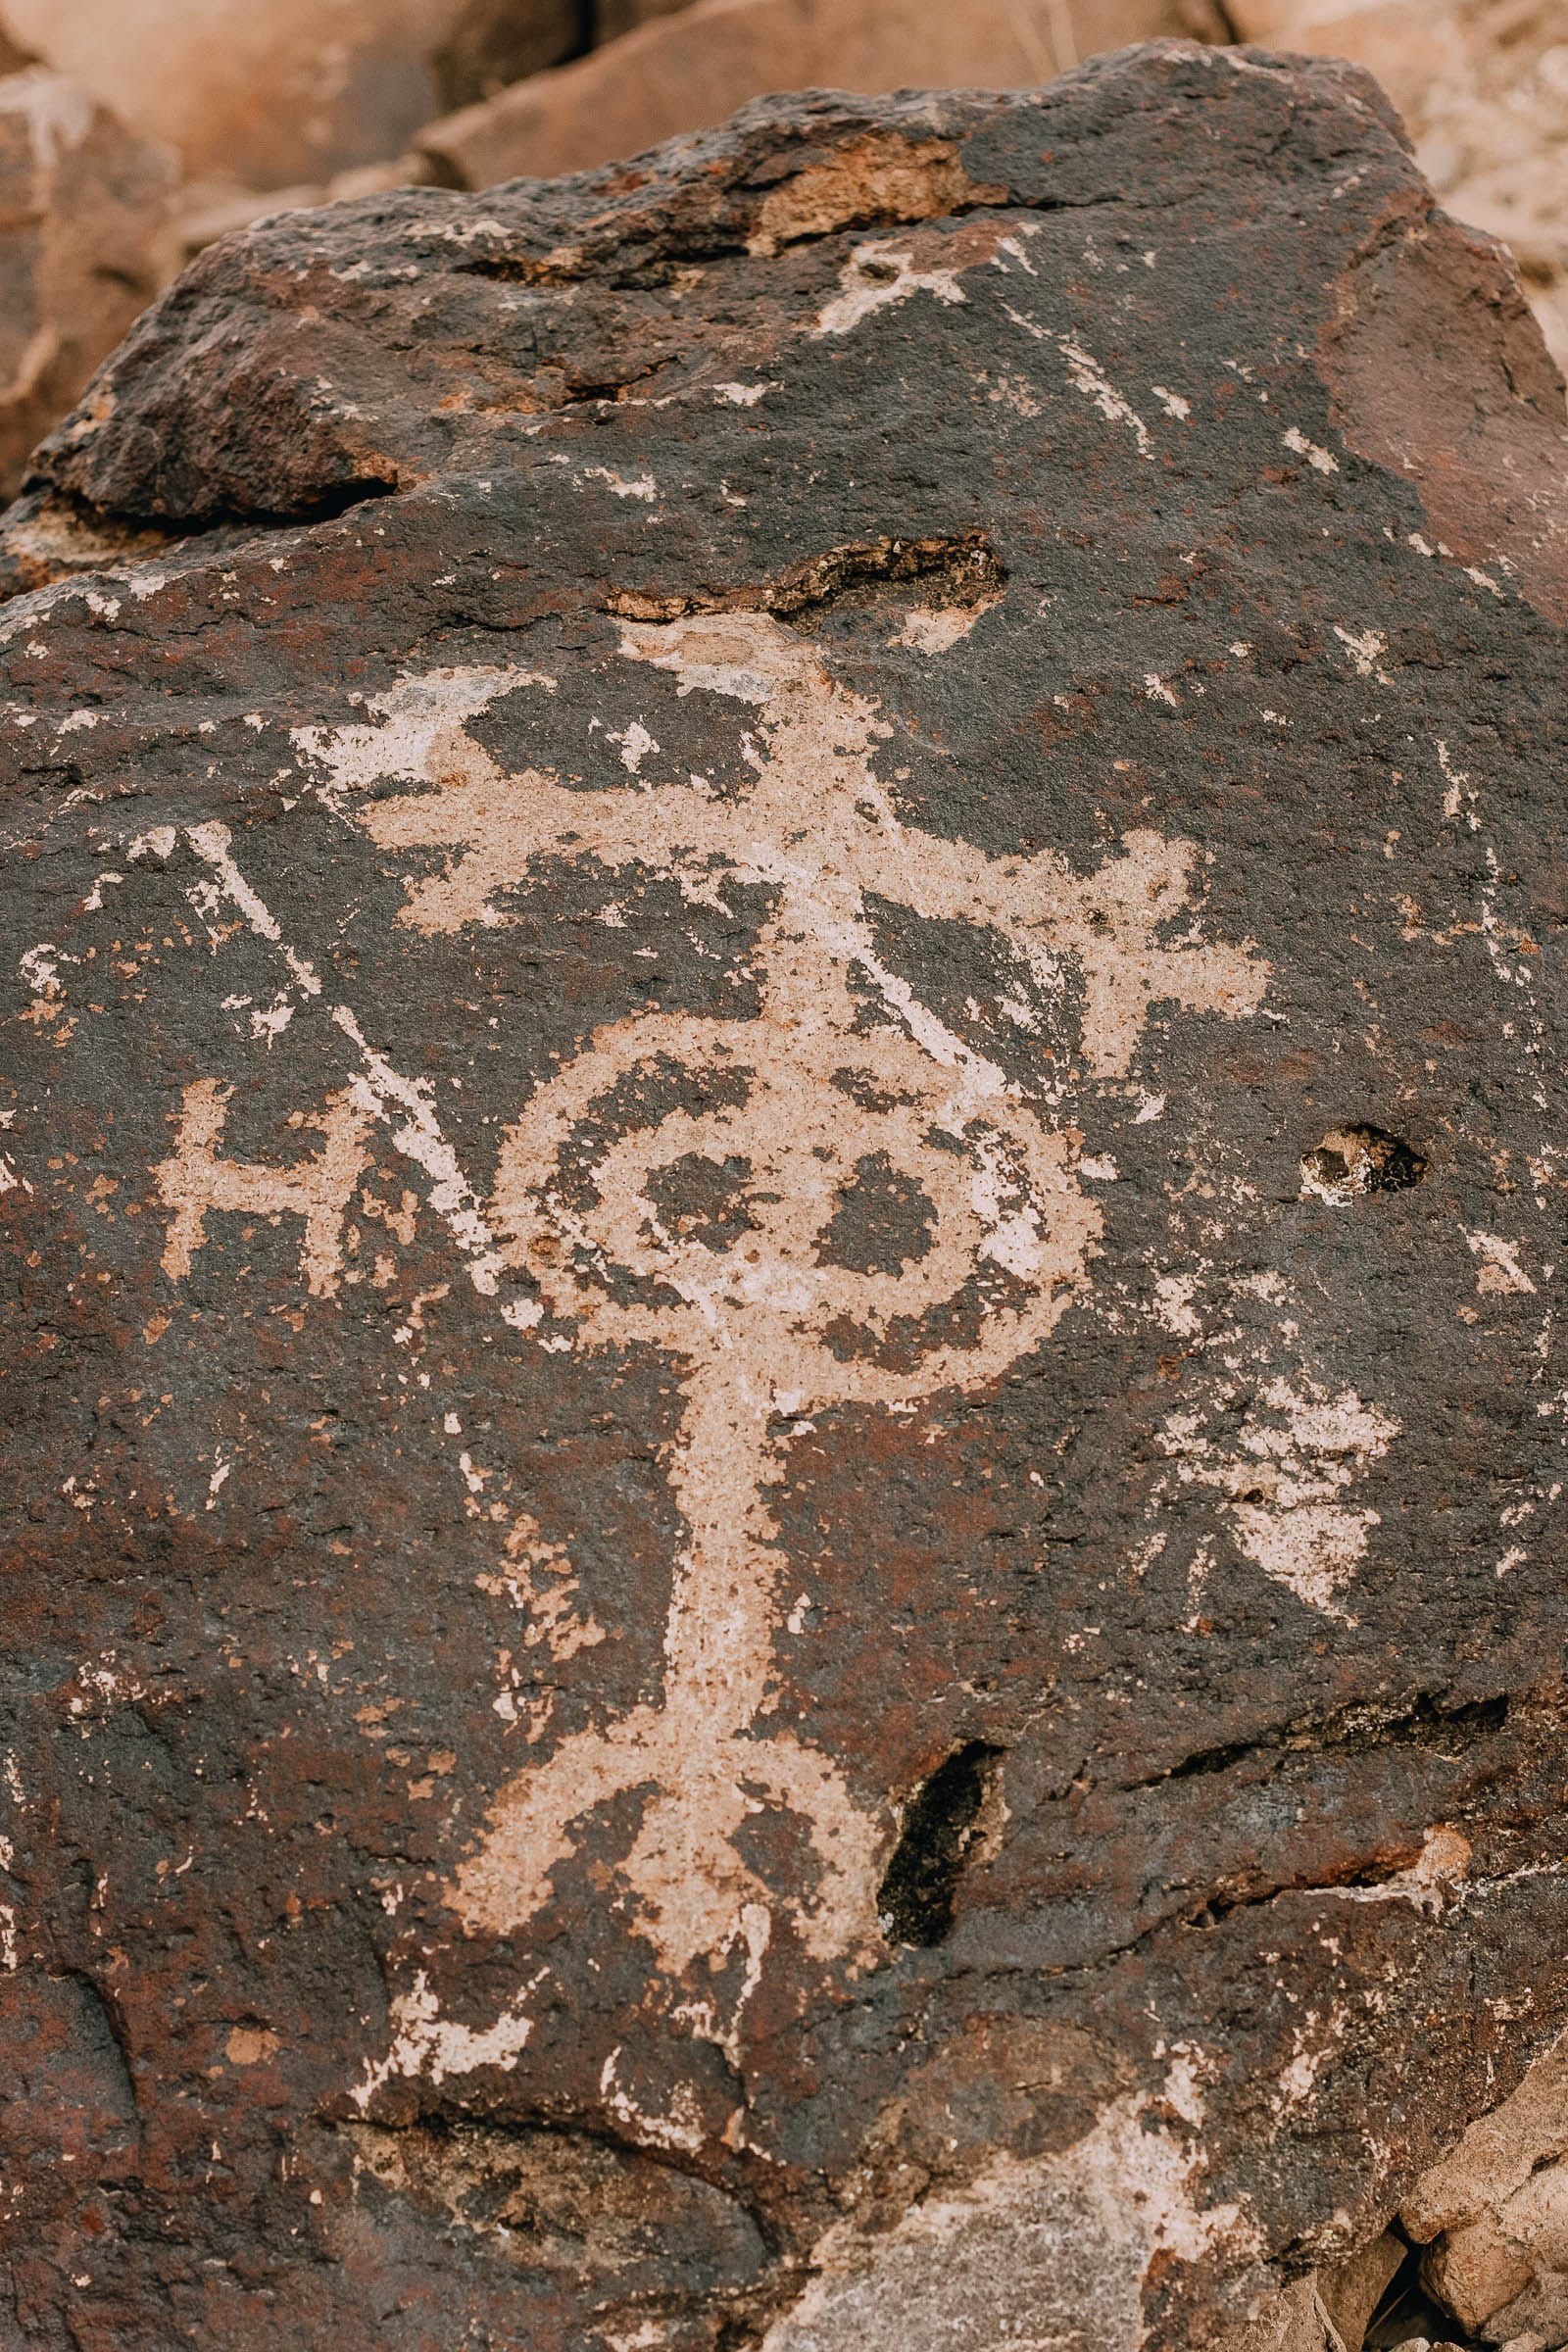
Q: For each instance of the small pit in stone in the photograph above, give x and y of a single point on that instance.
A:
(1351, 1163)
(941, 1824)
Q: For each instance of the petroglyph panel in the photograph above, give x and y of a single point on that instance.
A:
(783, 1213)
(770, 1327)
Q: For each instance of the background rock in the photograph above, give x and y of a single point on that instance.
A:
(783, 1020)
(613, 17)
(695, 66)
(1483, 85)
(494, 42)
(83, 211)
(268, 92)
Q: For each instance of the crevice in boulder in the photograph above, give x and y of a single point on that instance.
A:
(323, 505)
(1406, 2312)
(49, 534)
(1423, 1721)
(916, 1897)
(963, 567)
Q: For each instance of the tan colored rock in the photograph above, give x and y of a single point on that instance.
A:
(1497, 2154)
(679, 72)
(1475, 2271)
(1493, 2215)
(1289, 2322)
(1352, 2291)
(84, 205)
(1537, 2321)
(269, 93)
(613, 17)
(1483, 86)
(1327, 2310)
(1486, 2264)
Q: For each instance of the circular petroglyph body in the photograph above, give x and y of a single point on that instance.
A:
(1005, 1227)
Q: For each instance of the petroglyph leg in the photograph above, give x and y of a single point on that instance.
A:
(704, 1775)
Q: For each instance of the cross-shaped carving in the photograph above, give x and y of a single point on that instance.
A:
(841, 1065)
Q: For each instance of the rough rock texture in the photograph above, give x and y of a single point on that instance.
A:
(1483, 86)
(267, 91)
(694, 67)
(83, 209)
(784, 1052)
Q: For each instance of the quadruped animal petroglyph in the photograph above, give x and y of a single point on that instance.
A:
(840, 1065)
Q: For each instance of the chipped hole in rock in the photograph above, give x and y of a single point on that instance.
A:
(941, 1823)
(1354, 1161)
(964, 568)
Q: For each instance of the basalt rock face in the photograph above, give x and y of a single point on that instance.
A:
(1482, 87)
(783, 1405)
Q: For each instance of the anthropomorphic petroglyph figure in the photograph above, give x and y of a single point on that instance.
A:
(841, 1065)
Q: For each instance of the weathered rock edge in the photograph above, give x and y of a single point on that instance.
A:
(1061, 518)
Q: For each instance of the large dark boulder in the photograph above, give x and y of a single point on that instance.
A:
(783, 1149)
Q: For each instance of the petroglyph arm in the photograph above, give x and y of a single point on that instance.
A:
(506, 823)
(1108, 922)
